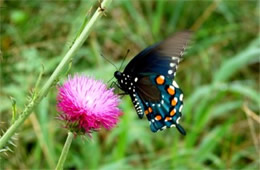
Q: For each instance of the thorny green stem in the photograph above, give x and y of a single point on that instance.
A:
(46, 87)
(65, 151)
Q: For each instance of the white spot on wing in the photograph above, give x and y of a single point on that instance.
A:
(173, 125)
(171, 87)
(136, 79)
(170, 71)
(172, 64)
(181, 97)
(174, 58)
(175, 84)
(180, 109)
(162, 77)
(168, 120)
(177, 121)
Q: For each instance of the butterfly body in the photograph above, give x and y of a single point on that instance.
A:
(149, 80)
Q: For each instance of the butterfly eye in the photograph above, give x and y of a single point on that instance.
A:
(117, 74)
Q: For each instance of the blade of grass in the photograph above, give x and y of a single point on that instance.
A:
(234, 64)
(210, 141)
(202, 115)
(203, 91)
(251, 127)
(158, 17)
(223, 108)
(45, 127)
(212, 7)
(43, 145)
(176, 16)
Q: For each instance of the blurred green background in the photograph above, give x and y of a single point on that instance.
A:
(219, 77)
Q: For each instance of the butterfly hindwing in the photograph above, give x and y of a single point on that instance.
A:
(147, 90)
(162, 105)
(144, 90)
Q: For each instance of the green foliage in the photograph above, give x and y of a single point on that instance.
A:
(219, 74)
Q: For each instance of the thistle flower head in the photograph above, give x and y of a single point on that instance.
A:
(87, 105)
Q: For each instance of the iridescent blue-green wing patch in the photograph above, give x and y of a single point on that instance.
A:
(162, 102)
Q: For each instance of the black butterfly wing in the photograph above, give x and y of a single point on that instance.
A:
(162, 58)
(147, 90)
(144, 91)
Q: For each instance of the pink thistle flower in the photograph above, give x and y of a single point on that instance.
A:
(87, 105)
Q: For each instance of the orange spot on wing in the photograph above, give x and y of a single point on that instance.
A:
(171, 90)
(172, 113)
(168, 118)
(150, 109)
(160, 80)
(158, 117)
(174, 102)
(146, 112)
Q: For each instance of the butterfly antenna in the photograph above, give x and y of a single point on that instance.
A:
(109, 61)
(110, 80)
(124, 59)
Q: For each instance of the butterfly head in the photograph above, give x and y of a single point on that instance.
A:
(125, 82)
(118, 75)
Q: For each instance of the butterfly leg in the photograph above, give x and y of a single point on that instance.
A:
(122, 94)
(113, 84)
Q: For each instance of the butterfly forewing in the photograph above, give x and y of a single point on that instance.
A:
(162, 58)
